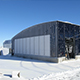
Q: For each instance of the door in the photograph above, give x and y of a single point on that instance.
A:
(69, 48)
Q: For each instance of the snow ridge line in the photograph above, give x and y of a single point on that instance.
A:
(67, 75)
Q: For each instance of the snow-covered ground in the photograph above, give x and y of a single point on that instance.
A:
(5, 51)
(31, 69)
(67, 75)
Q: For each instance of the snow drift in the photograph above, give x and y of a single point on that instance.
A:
(4, 51)
(67, 75)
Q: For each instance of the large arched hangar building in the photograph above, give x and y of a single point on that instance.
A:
(46, 41)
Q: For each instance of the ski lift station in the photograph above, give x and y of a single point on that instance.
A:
(50, 41)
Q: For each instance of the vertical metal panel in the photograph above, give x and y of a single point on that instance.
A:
(23, 45)
(47, 45)
(36, 46)
(15, 46)
(28, 45)
(31, 45)
(42, 45)
(20, 46)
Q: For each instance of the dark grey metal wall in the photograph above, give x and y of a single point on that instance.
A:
(57, 30)
(67, 30)
(38, 30)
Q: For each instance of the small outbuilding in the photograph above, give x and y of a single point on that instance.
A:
(7, 44)
(50, 41)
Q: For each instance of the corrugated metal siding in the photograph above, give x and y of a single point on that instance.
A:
(32, 45)
(15, 47)
(39, 45)
(28, 46)
(47, 45)
(39, 30)
(36, 45)
(24, 46)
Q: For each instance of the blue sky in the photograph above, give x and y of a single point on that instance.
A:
(16, 15)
